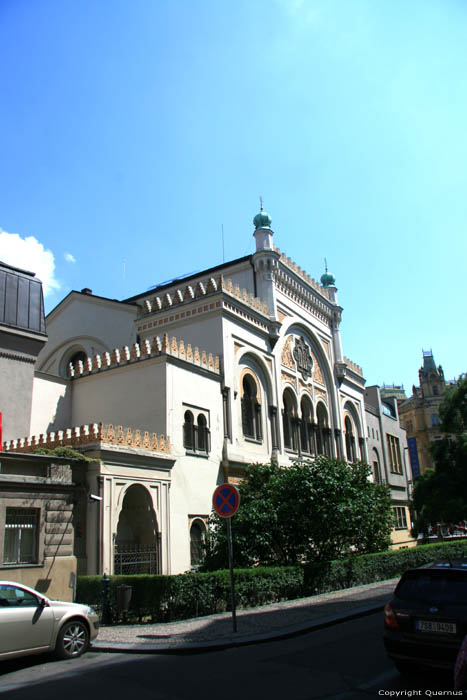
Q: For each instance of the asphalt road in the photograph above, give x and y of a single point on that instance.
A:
(344, 661)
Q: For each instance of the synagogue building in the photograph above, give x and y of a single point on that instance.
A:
(178, 389)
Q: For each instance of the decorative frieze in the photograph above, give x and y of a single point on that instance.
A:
(326, 347)
(302, 273)
(303, 358)
(319, 393)
(286, 357)
(202, 288)
(158, 346)
(287, 378)
(305, 297)
(91, 434)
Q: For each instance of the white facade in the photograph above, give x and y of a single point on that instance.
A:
(241, 363)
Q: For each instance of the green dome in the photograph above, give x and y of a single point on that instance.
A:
(328, 280)
(262, 220)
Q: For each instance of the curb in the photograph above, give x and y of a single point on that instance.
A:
(202, 647)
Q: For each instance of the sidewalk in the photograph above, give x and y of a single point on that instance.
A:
(266, 623)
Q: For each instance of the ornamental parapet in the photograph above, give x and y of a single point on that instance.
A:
(355, 368)
(213, 285)
(142, 351)
(302, 273)
(91, 434)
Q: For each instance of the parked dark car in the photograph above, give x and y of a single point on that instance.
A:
(426, 619)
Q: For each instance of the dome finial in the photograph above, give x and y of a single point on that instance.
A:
(262, 220)
(327, 280)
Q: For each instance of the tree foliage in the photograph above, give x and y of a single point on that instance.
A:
(315, 510)
(440, 494)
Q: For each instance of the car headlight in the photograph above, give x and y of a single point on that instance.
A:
(91, 611)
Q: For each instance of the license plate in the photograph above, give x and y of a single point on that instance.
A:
(433, 626)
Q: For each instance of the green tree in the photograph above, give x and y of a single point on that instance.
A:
(314, 510)
(440, 494)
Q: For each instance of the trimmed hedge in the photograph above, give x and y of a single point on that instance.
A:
(168, 598)
(180, 597)
(368, 568)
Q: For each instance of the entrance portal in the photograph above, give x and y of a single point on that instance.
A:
(137, 543)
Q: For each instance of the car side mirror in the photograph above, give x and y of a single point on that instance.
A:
(42, 602)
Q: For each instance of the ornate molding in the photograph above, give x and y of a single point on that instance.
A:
(18, 358)
(286, 357)
(91, 434)
(147, 349)
(303, 358)
(287, 378)
(317, 371)
(321, 394)
(327, 347)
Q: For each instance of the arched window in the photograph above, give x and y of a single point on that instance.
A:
(376, 468)
(323, 432)
(197, 537)
(202, 434)
(189, 431)
(306, 426)
(77, 357)
(251, 410)
(289, 421)
(349, 440)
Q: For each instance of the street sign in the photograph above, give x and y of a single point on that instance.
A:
(225, 500)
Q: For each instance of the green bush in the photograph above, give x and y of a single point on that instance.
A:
(368, 568)
(180, 597)
(168, 598)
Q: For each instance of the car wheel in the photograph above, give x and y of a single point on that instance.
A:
(72, 640)
(406, 668)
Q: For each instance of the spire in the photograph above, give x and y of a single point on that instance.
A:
(327, 280)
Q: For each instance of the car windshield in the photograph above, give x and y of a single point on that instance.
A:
(434, 586)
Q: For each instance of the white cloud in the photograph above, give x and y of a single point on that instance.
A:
(69, 258)
(28, 254)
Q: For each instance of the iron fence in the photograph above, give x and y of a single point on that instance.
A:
(136, 559)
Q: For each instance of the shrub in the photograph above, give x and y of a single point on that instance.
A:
(368, 568)
(169, 598)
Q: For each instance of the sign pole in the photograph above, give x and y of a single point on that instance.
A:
(225, 501)
(232, 585)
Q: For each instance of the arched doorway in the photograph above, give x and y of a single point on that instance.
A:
(137, 540)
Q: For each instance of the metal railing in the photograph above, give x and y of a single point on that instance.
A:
(136, 559)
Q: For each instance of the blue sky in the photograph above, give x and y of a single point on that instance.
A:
(132, 132)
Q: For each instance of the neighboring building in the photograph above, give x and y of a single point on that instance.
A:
(37, 498)
(387, 449)
(396, 391)
(22, 336)
(36, 492)
(420, 414)
(237, 364)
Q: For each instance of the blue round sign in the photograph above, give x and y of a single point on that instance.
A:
(225, 500)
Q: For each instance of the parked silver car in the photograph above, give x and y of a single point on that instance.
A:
(31, 623)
